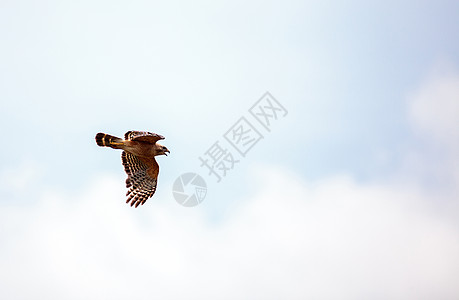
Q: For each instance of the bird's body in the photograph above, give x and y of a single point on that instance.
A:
(140, 149)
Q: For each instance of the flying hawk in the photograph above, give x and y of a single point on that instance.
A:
(139, 151)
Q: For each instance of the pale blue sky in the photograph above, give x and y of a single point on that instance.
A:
(345, 71)
(342, 69)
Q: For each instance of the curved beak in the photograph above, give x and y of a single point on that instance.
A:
(167, 151)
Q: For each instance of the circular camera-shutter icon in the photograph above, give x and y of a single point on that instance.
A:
(189, 189)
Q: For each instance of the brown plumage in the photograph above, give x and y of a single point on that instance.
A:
(138, 157)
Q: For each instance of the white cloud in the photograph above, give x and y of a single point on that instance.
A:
(19, 177)
(292, 238)
(331, 240)
(433, 110)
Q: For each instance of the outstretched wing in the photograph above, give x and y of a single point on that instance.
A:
(143, 136)
(142, 178)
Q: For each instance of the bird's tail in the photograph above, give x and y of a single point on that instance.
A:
(106, 140)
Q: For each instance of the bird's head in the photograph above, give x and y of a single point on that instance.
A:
(161, 150)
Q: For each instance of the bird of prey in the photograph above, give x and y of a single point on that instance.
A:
(139, 151)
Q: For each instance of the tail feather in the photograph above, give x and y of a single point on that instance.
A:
(106, 140)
